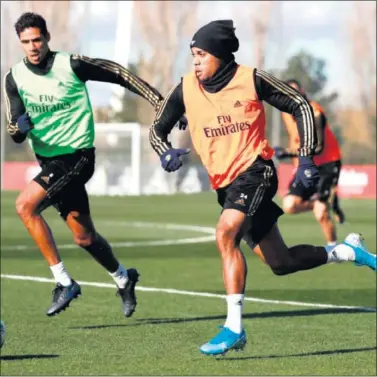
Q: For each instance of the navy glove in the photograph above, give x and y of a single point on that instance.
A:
(24, 123)
(280, 153)
(170, 160)
(307, 172)
(182, 123)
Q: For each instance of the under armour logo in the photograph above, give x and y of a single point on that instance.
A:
(307, 173)
(192, 43)
(168, 157)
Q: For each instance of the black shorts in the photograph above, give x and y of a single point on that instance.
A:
(64, 178)
(328, 180)
(252, 193)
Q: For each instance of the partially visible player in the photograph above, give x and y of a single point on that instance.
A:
(47, 103)
(223, 102)
(327, 156)
(2, 333)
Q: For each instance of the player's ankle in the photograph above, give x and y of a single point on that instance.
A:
(340, 253)
(60, 274)
(120, 276)
(234, 318)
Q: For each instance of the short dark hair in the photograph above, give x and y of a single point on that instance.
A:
(30, 19)
(293, 81)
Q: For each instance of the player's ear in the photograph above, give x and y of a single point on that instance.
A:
(48, 37)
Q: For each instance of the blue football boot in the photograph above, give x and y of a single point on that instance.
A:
(223, 342)
(362, 256)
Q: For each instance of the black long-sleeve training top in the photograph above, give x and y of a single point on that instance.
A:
(86, 69)
(268, 88)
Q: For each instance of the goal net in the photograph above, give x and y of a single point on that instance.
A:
(126, 164)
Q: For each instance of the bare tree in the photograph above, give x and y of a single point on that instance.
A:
(361, 34)
(260, 26)
(164, 25)
(256, 16)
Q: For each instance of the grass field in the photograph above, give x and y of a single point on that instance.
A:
(163, 337)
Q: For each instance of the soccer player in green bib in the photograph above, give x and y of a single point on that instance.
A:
(47, 103)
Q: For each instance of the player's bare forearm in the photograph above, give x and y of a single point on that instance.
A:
(171, 110)
(280, 95)
(104, 70)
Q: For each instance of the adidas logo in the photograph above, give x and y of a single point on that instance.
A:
(237, 104)
(241, 202)
(45, 179)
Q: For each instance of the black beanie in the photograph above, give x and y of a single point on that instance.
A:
(217, 38)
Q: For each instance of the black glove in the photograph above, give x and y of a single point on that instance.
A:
(24, 123)
(307, 172)
(170, 160)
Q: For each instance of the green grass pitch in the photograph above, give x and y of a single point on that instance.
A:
(163, 337)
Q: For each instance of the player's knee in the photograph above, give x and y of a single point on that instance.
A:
(321, 212)
(84, 239)
(225, 234)
(289, 205)
(281, 264)
(23, 207)
(281, 267)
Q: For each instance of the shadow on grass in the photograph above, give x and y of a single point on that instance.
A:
(317, 353)
(272, 314)
(26, 357)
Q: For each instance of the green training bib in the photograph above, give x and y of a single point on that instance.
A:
(59, 106)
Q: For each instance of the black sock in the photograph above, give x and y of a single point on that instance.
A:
(306, 257)
(335, 203)
(101, 251)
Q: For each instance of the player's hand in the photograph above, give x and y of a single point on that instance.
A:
(182, 123)
(307, 172)
(170, 160)
(280, 153)
(24, 123)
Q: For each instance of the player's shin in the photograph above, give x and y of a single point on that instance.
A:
(101, 251)
(232, 335)
(294, 259)
(234, 273)
(307, 257)
(42, 236)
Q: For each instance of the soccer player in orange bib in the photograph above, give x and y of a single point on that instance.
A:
(223, 102)
(327, 157)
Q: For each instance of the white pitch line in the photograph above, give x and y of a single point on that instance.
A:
(178, 241)
(196, 294)
(142, 225)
